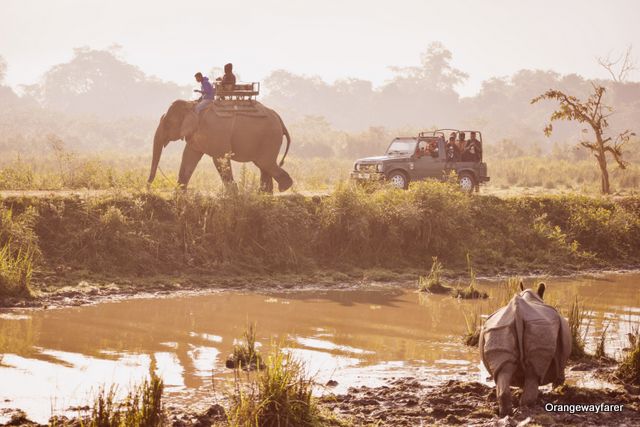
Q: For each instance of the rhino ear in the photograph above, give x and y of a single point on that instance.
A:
(189, 124)
(541, 288)
(521, 286)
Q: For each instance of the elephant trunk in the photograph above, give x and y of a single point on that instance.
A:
(158, 144)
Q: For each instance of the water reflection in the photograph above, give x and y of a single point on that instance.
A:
(54, 359)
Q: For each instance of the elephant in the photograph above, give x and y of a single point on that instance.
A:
(225, 132)
(527, 344)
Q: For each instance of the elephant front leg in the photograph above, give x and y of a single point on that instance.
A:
(530, 392)
(190, 159)
(503, 388)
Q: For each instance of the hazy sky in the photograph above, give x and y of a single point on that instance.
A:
(329, 38)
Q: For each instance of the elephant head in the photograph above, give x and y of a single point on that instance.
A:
(178, 122)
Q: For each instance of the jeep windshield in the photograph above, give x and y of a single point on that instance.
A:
(402, 146)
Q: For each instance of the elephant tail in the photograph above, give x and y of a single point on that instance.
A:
(285, 132)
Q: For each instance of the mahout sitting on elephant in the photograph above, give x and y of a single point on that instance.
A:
(244, 136)
(526, 344)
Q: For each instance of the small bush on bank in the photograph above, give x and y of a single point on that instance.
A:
(576, 318)
(246, 355)
(432, 283)
(15, 273)
(279, 396)
(142, 407)
(629, 368)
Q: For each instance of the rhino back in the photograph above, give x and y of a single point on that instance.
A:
(524, 332)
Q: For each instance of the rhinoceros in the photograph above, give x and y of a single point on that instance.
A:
(526, 344)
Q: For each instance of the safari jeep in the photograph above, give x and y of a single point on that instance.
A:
(423, 157)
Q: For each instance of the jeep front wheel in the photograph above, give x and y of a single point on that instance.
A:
(467, 182)
(398, 179)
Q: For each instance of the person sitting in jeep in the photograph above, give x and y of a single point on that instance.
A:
(461, 144)
(472, 150)
(453, 153)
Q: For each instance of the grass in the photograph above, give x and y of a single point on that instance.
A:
(629, 367)
(577, 317)
(432, 283)
(18, 252)
(15, 272)
(246, 355)
(148, 234)
(601, 352)
(471, 291)
(473, 324)
(280, 395)
(142, 407)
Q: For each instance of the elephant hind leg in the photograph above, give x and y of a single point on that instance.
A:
(280, 175)
(503, 388)
(223, 166)
(266, 182)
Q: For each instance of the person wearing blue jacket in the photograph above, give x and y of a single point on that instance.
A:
(207, 90)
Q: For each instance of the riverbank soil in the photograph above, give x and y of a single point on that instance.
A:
(406, 402)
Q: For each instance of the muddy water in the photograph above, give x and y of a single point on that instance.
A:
(55, 360)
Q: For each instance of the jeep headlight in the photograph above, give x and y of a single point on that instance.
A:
(379, 167)
(356, 166)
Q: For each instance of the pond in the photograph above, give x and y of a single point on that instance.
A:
(54, 360)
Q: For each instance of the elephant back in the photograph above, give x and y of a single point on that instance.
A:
(228, 108)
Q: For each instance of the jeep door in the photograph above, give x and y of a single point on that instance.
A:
(427, 165)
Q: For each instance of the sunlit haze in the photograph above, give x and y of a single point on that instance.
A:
(332, 39)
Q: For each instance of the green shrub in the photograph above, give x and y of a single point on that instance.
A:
(279, 396)
(15, 272)
(629, 368)
(141, 408)
(577, 317)
(432, 283)
(245, 355)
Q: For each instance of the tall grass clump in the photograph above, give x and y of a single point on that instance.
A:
(18, 252)
(141, 408)
(15, 272)
(577, 317)
(432, 283)
(601, 352)
(471, 291)
(472, 322)
(246, 355)
(280, 396)
(629, 368)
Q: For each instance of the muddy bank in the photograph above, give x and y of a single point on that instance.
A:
(69, 289)
(406, 402)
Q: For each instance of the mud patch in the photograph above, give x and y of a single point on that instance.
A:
(407, 402)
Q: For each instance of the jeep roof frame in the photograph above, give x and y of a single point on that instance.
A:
(444, 133)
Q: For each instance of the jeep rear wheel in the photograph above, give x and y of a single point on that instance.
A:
(467, 182)
(398, 179)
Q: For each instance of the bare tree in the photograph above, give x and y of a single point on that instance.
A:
(595, 114)
(620, 67)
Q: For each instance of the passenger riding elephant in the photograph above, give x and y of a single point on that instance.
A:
(526, 344)
(253, 135)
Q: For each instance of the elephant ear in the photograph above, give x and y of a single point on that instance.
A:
(189, 124)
